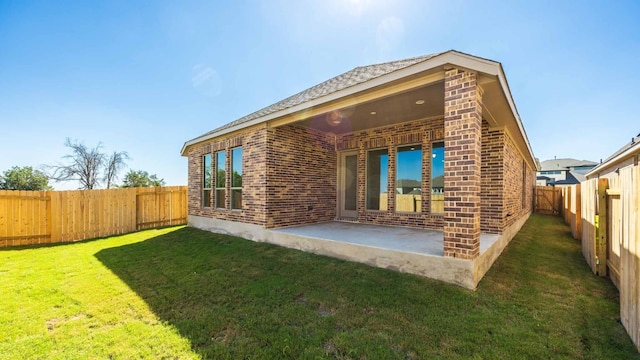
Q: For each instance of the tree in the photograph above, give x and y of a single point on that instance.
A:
(115, 163)
(86, 164)
(141, 178)
(24, 178)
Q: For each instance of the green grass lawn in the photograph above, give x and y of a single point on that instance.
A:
(185, 293)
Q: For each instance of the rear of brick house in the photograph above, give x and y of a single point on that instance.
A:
(340, 150)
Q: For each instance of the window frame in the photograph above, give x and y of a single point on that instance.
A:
(395, 170)
(366, 179)
(233, 188)
(431, 177)
(524, 184)
(204, 180)
(222, 188)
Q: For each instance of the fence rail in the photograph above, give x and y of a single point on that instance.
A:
(43, 217)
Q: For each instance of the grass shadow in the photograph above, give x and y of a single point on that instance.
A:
(67, 243)
(58, 244)
(233, 298)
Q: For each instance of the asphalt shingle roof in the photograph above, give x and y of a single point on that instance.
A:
(350, 78)
(563, 164)
(408, 183)
(570, 180)
(438, 182)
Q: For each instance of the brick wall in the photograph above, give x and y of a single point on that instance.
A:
(514, 207)
(423, 132)
(503, 169)
(492, 180)
(463, 130)
(290, 174)
(301, 175)
(254, 145)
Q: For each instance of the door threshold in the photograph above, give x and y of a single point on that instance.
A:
(346, 219)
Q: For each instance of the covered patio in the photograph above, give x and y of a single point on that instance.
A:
(410, 250)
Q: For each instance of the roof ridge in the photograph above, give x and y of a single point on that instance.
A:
(425, 57)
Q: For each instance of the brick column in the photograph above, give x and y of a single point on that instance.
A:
(462, 144)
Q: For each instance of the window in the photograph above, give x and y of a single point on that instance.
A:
(236, 178)
(377, 179)
(437, 178)
(221, 176)
(524, 184)
(206, 180)
(409, 178)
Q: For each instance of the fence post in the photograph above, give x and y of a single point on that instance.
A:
(601, 237)
(578, 234)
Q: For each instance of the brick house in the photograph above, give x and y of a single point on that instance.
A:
(338, 150)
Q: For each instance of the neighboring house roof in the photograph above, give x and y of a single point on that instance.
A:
(578, 176)
(542, 178)
(438, 182)
(406, 183)
(629, 148)
(569, 180)
(564, 164)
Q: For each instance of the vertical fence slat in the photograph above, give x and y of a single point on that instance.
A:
(3, 220)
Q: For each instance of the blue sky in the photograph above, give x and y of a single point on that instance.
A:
(146, 76)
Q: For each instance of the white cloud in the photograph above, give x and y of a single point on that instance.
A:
(206, 80)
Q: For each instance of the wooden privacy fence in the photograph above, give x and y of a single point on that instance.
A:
(42, 217)
(571, 209)
(548, 200)
(413, 203)
(609, 223)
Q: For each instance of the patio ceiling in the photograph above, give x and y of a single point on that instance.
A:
(395, 103)
(421, 103)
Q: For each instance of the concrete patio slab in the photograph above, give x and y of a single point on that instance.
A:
(417, 241)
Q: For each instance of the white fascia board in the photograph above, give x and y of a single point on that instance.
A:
(612, 162)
